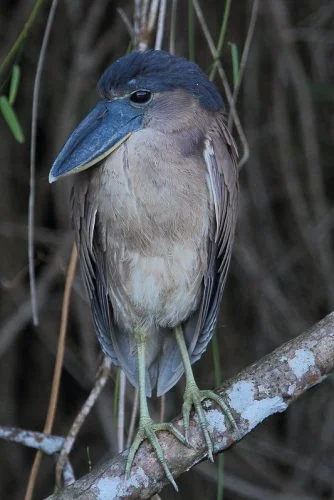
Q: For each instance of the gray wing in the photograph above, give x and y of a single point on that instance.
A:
(91, 258)
(220, 156)
(91, 243)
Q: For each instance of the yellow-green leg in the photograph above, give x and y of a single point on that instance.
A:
(194, 396)
(147, 428)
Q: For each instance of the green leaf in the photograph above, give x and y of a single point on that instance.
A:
(235, 62)
(14, 84)
(10, 116)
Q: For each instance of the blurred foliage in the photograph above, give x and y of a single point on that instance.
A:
(281, 278)
(6, 105)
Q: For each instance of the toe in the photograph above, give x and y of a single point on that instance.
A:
(132, 453)
(173, 430)
(148, 431)
(204, 426)
(160, 455)
(226, 410)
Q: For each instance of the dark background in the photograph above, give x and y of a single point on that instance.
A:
(281, 278)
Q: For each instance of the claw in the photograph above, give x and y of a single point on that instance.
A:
(193, 396)
(207, 394)
(147, 430)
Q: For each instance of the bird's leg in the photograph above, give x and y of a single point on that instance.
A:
(194, 396)
(147, 428)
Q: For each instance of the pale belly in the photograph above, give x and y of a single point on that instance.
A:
(157, 220)
(150, 292)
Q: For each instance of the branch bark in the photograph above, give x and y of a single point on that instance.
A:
(266, 387)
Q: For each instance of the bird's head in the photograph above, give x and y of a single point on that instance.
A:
(142, 89)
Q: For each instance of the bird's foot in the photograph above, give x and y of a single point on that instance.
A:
(147, 430)
(193, 396)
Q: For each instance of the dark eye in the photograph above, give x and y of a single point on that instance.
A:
(140, 96)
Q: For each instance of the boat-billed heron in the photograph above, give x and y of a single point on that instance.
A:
(154, 207)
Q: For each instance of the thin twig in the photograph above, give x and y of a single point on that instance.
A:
(191, 31)
(162, 407)
(102, 378)
(172, 27)
(221, 39)
(34, 115)
(137, 22)
(133, 418)
(161, 25)
(57, 371)
(143, 23)
(144, 11)
(152, 17)
(127, 23)
(244, 57)
(224, 80)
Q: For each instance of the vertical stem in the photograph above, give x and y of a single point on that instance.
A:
(191, 31)
(172, 27)
(116, 394)
(162, 407)
(161, 25)
(133, 419)
(57, 370)
(216, 359)
(220, 477)
(121, 413)
(218, 378)
(221, 38)
(34, 117)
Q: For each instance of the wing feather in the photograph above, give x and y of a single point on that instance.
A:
(91, 243)
(220, 157)
(84, 217)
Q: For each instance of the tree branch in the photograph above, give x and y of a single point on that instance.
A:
(33, 439)
(266, 387)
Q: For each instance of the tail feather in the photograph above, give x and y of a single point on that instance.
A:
(164, 362)
(170, 364)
